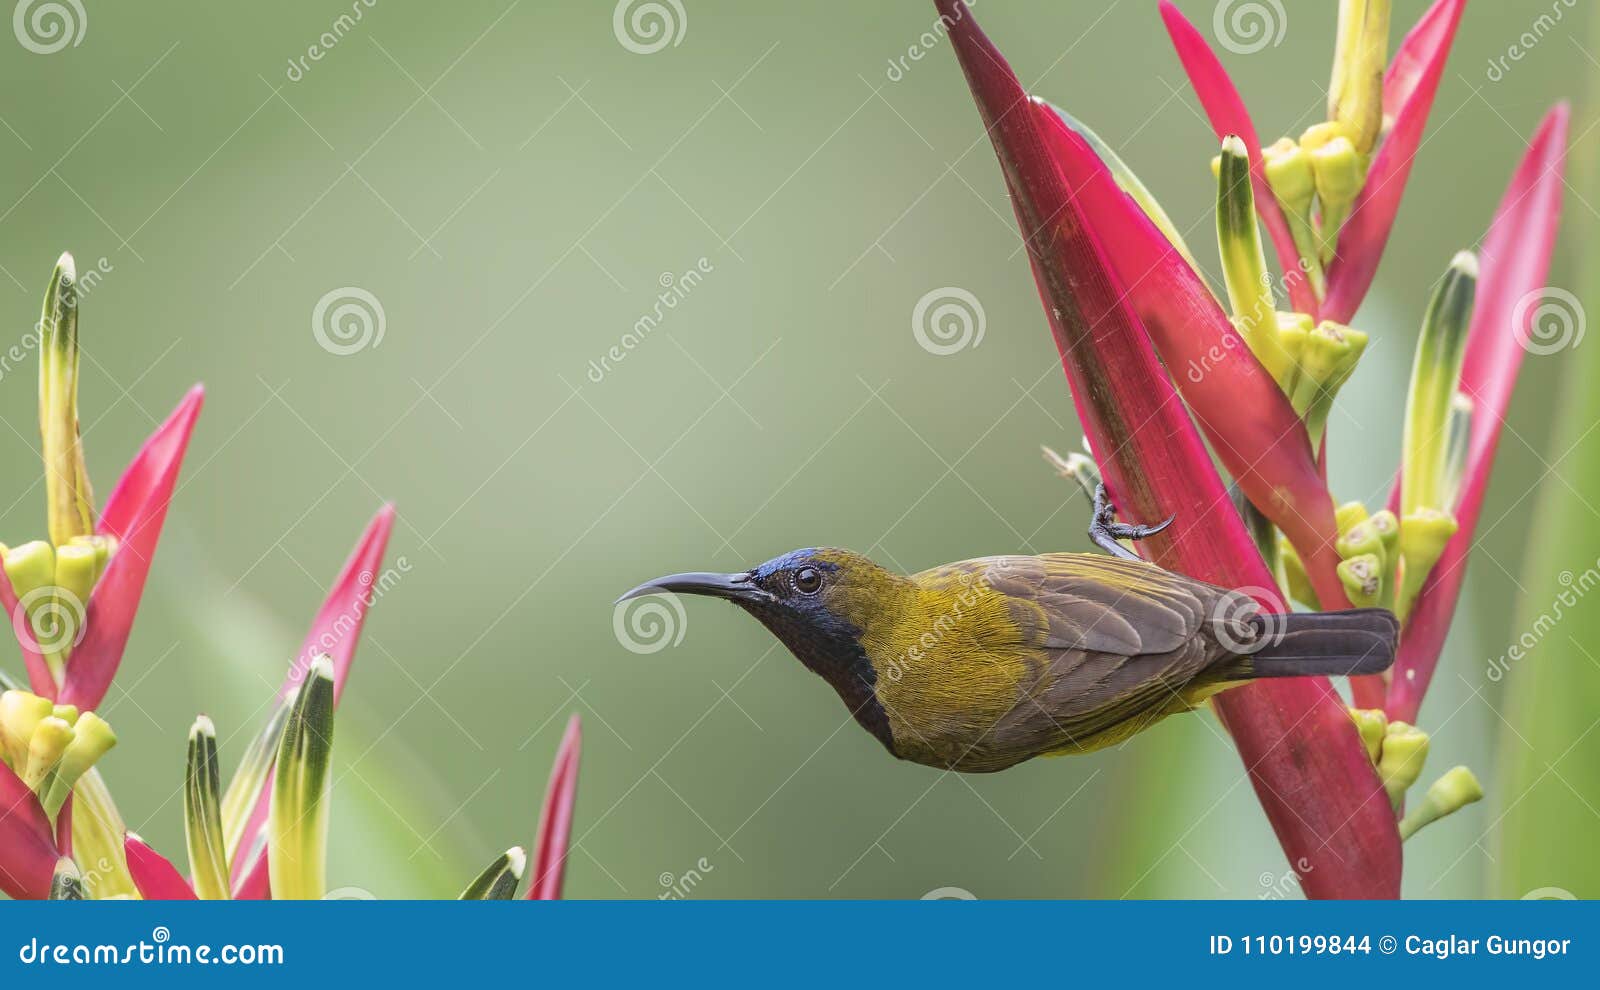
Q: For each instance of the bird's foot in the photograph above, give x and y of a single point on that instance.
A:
(1105, 531)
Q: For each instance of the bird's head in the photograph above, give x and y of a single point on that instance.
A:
(828, 606)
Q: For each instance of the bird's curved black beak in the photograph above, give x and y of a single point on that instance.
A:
(739, 587)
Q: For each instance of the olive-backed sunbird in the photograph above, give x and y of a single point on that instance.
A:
(981, 664)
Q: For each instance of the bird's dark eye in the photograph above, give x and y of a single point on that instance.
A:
(808, 580)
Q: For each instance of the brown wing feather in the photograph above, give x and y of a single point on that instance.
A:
(1077, 601)
(1118, 642)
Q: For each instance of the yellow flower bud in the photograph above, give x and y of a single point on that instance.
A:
(1447, 795)
(1405, 749)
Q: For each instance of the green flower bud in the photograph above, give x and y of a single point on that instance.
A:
(1372, 725)
(103, 547)
(50, 740)
(1387, 527)
(92, 738)
(1340, 172)
(1289, 174)
(499, 881)
(1447, 795)
(1294, 329)
(1435, 379)
(1362, 577)
(1244, 268)
(1348, 515)
(67, 883)
(1361, 539)
(1328, 360)
(1405, 749)
(69, 500)
(297, 822)
(1423, 536)
(20, 714)
(202, 815)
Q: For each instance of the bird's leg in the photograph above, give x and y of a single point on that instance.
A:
(1105, 531)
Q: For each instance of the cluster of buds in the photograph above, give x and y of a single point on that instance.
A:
(49, 746)
(1309, 359)
(71, 600)
(1386, 556)
(1398, 751)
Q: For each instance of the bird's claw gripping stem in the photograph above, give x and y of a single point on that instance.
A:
(1105, 531)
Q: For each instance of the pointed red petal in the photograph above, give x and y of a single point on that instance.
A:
(337, 628)
(40, 681)
(156, 878)
(1408, 91)
(1514, 263)
(27, 848)
(1238, 405)
(1309, 769)
(134, 515)
(1228, 115)
(555, 819)
(335, 631)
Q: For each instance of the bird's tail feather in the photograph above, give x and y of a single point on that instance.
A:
(1334, 644)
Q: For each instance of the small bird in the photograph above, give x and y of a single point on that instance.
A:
(979, 665)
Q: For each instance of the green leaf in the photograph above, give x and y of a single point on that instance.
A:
(297, 824)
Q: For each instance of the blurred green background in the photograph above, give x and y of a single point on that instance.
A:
(516, 187)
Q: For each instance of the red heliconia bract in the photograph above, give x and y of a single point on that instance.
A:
(28, 850)
(549, 866)
(1308, 766)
